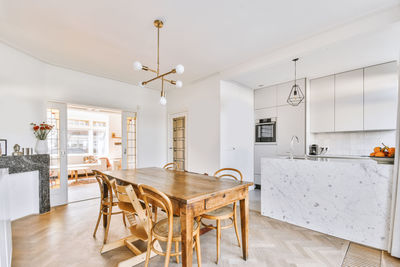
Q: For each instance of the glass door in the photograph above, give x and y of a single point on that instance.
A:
(128, 140)
(57, 141)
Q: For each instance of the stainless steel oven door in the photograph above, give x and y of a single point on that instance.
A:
(266, 132)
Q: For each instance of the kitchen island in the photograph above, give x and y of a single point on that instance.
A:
(346, 198)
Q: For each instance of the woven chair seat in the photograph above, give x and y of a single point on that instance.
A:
(161, 227)
(224, 211)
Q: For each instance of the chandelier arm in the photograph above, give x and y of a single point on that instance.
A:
(159, 76)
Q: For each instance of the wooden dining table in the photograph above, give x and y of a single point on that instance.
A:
(191, 195)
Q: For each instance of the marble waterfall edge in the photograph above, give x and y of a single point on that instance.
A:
(346, 199)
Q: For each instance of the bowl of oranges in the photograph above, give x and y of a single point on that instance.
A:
(383, 154)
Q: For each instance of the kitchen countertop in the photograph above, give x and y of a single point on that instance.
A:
(335, 158)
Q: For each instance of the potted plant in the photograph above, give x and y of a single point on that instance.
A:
(41, 132)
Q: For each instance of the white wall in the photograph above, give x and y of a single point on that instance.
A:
(201, 101)
(237, 128)
(26, 85)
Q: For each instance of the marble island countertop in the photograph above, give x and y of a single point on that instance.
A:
(346, 198)
(335, 158)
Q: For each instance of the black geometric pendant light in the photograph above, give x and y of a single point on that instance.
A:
(296, 95)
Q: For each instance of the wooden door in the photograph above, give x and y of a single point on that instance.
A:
(179, 144)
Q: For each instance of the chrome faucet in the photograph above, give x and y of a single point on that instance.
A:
(294, 137)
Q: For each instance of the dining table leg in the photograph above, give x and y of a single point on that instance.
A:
(244, 219)
(186, 214)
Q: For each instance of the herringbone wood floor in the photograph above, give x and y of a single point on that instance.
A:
(63, 237)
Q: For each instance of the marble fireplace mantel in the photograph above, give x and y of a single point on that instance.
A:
(41, 163)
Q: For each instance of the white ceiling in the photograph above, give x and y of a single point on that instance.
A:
(104, 37)
(356, 52)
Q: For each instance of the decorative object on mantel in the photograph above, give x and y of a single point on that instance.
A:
(296, 96)
(3, 147)
(179, 69)
(17, 151)
(41, 132)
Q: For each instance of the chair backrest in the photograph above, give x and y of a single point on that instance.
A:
(103, 179)
(229, 172)
(129, 203)
(171, 166)
(155, 197)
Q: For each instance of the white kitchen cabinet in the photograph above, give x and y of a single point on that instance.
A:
(261, 151)
(265, 113)
(349, 103)
(290, 122)
(380, 96)
(265, 97)
(322, 104)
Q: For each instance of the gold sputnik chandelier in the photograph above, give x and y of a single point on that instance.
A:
(179, 69)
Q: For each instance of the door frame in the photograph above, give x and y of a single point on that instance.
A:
(170, 145)
(60, 196)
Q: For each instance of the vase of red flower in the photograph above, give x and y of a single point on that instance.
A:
(41, 132)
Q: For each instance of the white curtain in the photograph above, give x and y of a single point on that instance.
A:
(394, 236)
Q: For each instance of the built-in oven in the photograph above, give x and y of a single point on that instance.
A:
(266, 131)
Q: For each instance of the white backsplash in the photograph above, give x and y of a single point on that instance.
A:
(353, 143)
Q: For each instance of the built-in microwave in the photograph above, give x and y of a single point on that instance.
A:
(266, 131)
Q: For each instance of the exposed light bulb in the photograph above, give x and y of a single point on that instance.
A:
(179, 69)
(163, 100)
(141, 84)
(178, 84)
(137, 65)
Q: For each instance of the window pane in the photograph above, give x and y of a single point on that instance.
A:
(78, 141)
(99, 142)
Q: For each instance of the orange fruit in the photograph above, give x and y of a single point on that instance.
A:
(380, 154)
(372, 154)
(377, 149)
(390, 155)
(392, 150)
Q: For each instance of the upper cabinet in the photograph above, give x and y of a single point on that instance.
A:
(322, 104)
(380, 96)
(349, 101)
(265, 97)
(363, 99)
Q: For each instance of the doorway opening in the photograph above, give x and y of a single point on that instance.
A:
(95, 139)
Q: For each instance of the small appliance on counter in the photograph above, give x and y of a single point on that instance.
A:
(266, 131)
(315, 149)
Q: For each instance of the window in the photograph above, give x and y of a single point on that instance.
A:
(78, 142)
(87, 137)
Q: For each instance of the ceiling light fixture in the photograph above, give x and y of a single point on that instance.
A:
(179, 69)
(296, 96)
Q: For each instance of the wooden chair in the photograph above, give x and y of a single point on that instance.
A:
(224, 213)
(106, 203)
(166, 230)
(135, 212)
(171, 166)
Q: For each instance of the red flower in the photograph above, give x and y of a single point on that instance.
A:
(36, 128)
(42, 128)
